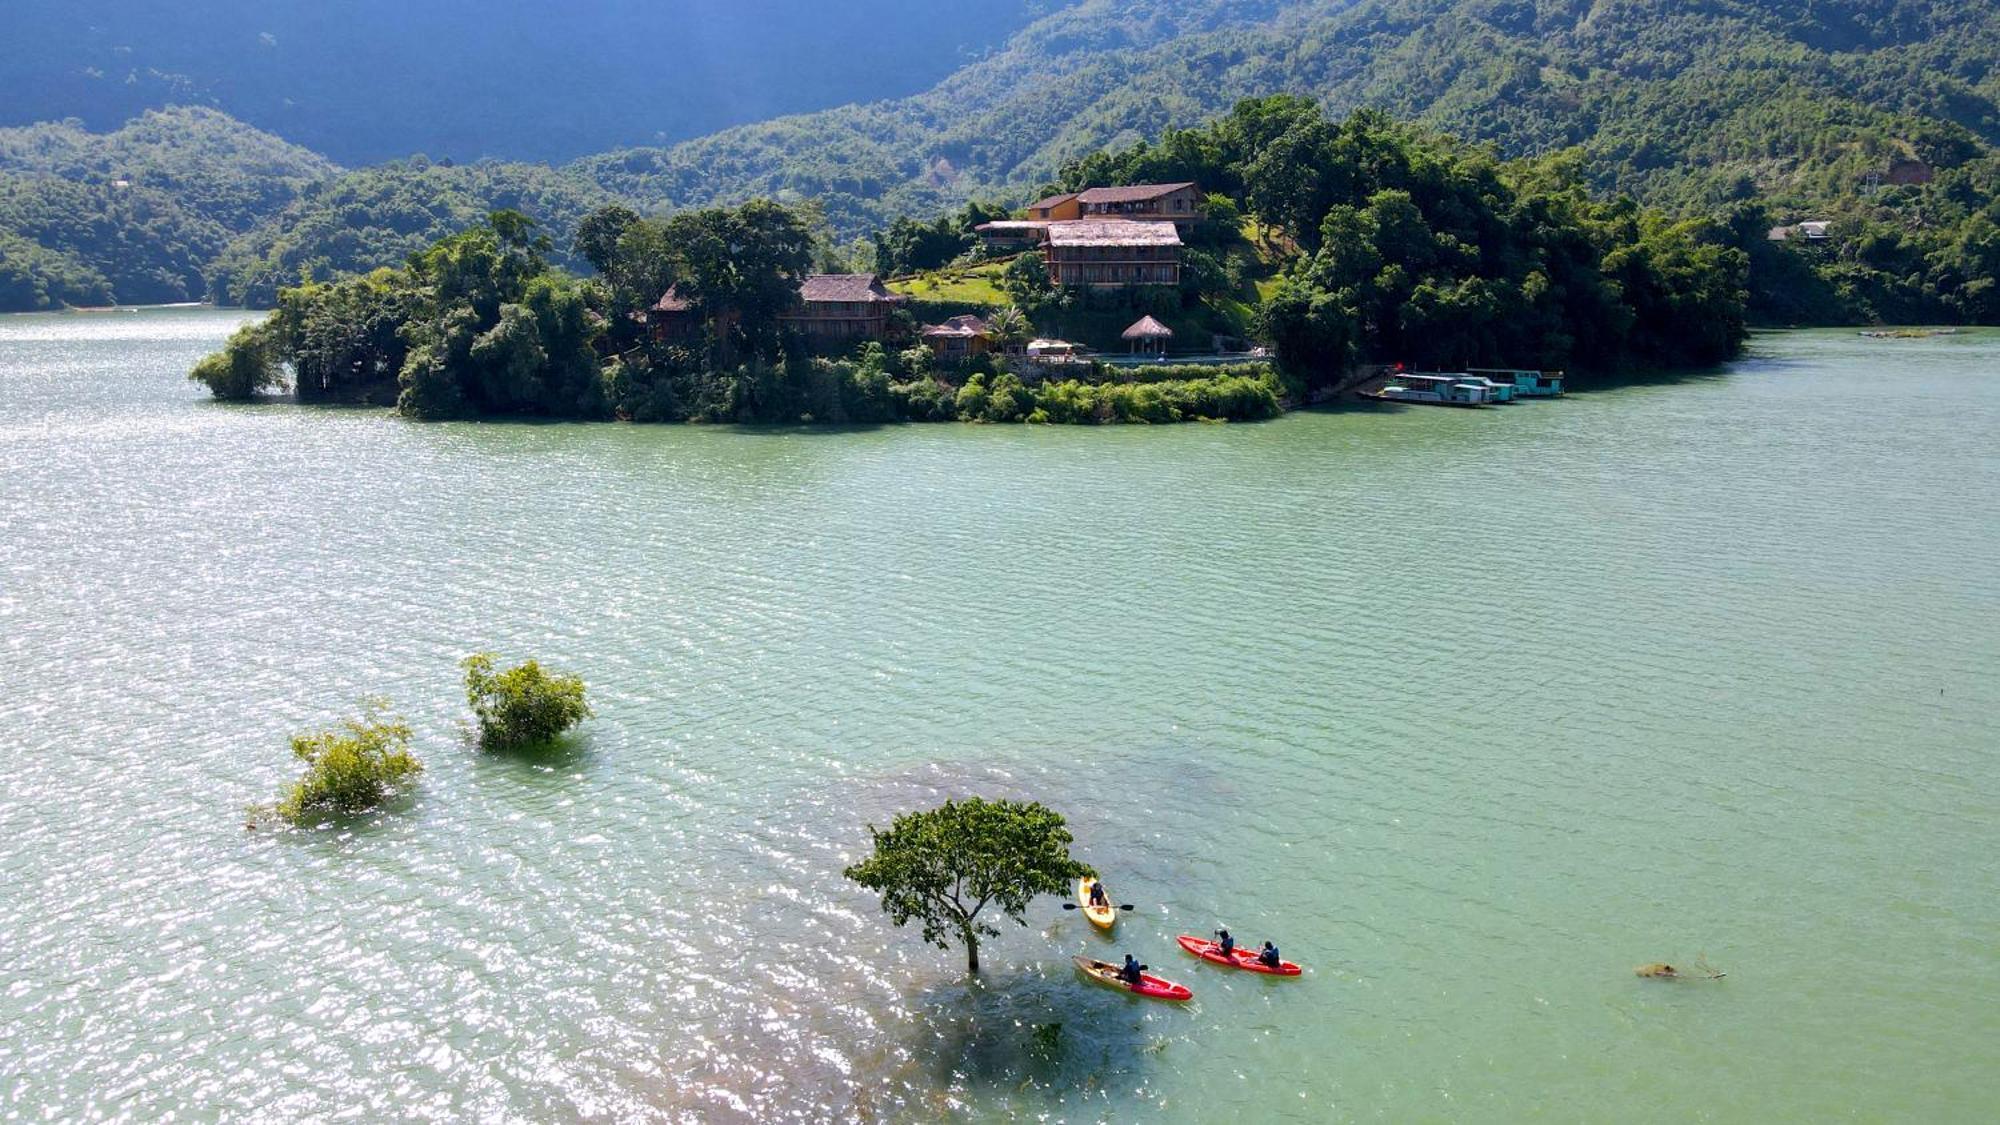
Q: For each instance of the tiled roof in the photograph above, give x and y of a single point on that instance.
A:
(1131, 193)
(671, 301)
(1113, 232)
(844, 287)
(1052, 201)
(1012, 226)
(1148, 329)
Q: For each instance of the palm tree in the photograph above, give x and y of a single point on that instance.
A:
(1010, 328)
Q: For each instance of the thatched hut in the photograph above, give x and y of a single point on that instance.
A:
(1148, 336)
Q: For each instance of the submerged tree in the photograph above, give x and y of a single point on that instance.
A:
(352, 768)
(522, 706)
(945, 866)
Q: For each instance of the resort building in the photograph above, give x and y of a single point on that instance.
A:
(961, 337)
(1112, 252)
(1012, 234)
(842, 306)
(672, 319)
(1056, 208)
(1152, 202)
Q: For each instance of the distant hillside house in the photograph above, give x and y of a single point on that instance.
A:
(1142, 201)
(1813, 231)
(961, 337)
(1112, 252)
(1056, 208)
(842, 306)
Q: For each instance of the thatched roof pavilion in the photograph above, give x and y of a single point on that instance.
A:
(1148, 335)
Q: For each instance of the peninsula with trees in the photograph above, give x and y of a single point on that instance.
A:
(1331, 244)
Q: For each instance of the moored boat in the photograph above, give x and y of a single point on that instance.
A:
(1432, 390)
(1497, 391)
(1526, 383)
(1149, 986)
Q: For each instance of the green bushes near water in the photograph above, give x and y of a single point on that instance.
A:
(523, 706)
(357, 765)
(352, 768)
(243, 369)
(1233, 398)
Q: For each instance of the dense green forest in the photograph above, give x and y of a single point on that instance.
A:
(1679, 103)
(379, 216)
(137, 214)
(1754, 113)
(1407, 247)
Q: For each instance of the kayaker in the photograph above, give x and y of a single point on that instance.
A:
(1269, 956)
(1097, 897)
(1133, 972)
(1225, 944)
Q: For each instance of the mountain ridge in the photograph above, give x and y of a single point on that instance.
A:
(1528, 77)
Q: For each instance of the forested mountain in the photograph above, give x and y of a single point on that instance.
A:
(137, 214)
(379, 216)
(372, 80)
(1757, 111)
(1683, 102)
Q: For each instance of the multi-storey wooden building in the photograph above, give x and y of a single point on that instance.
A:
(1112, 252)
(842, 306)
(1177, 202)
(1056, 208)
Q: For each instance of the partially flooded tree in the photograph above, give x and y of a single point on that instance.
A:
(351, 768)
(524, 705)
(958, 867)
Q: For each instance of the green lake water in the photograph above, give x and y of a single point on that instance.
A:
(1472, 711)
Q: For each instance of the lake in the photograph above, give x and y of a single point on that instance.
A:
(1471, 711)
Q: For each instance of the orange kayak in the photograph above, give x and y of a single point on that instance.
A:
(1240, 958)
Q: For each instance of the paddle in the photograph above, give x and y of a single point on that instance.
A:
(1072, 906)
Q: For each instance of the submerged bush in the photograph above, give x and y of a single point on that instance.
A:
(522, 706)
(350, 769)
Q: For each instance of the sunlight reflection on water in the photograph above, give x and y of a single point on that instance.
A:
(1471, 711)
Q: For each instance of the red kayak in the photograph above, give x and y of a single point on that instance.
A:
(1149, 986)
(1239, 958)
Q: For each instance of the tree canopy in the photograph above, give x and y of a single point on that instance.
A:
(522, 706)
(350, 768)
(944, 868)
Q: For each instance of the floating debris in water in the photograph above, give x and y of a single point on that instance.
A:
(1660, 970)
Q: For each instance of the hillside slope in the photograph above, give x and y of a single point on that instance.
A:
(136, 214)
(1685, 104)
